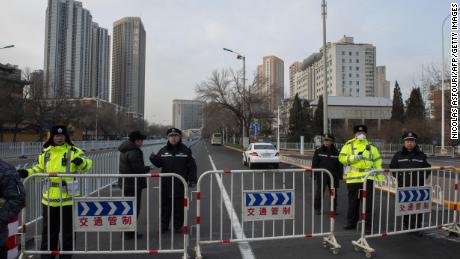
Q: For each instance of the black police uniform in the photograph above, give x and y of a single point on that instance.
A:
(414, 159)
(326, 158)
(174, 159)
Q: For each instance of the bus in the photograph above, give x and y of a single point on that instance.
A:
(216, 139)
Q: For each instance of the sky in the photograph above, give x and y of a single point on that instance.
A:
(185, 37)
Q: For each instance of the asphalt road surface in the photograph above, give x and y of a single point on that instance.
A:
(432, 244)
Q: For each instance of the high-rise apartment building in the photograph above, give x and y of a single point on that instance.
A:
(351, 71)
(293, 69)
(187, 114)
(271, 80)
(382, 85)
(128, 64)
(70, 57)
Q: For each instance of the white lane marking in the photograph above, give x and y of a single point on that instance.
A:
(245, 248)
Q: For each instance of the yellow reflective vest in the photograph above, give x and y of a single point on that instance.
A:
(58, 159)
(357, 167)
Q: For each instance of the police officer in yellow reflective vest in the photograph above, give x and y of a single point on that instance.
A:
(59, 156)
(359, 157)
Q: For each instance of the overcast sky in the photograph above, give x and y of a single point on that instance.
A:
(185, 37)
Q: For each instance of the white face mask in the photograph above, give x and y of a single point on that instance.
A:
(361, 137)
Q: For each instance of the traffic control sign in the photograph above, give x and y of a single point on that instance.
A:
(413, 200)
(268, 205)
(104, 214)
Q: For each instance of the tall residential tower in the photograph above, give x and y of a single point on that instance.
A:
(128, 64)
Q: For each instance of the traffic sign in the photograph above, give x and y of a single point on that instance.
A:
(268, 205)
(413, 200)
(104, 214)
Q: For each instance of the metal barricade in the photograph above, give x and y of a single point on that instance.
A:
(106, 221)
(270, 204)
(409, 200)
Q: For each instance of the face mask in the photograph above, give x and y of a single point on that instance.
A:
(361, 137)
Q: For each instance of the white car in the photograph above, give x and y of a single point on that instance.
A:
(261, 153)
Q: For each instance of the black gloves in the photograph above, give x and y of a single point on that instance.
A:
(23, 173)
(77, 161)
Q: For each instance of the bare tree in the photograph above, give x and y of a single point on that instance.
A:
(225, 90)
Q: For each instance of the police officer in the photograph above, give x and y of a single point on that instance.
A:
(359, 156)
(326, 157)
(175, 157)
(132, 162)
(62, 157)
(12, 200)
(410, 157)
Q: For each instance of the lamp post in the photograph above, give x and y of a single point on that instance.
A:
(443, 150)
(242, 57)
(97, 110)
(325, 113)
(7, 47)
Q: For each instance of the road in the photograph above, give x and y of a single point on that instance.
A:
(432, 244)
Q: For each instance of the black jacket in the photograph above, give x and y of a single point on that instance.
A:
(175, 159)
(12, 196)
(328, 159)
(132, 162)
(405, 159)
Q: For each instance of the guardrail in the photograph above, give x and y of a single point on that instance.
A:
(23, 149)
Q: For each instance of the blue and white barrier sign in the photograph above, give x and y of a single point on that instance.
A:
(268, 205)
(413, 200)
(104, 214)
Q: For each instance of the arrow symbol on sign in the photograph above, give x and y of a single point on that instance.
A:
(99, 208)
(113, 208)
(286, 198)
(251, 199)
(275, 199)
(85, 208)
(411, 196)
(264, 199)
(127, 208)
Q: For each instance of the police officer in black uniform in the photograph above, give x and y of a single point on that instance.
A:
(326, 157)
(177, 158)
(410, 157)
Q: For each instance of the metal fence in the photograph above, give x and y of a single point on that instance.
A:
(104, 163)
(409, 200)
(22, 149)
(105, 221)
(270, 204)
(384, 149)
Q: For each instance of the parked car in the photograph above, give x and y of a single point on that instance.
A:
(261, 153)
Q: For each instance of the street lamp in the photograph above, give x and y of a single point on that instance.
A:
(242, 57)
(325, 113)
(7, 47)
(442, 88)
(97, 110)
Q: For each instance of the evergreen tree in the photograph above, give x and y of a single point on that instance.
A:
(318, 118)
(415, 105)
(307, 122)
(397, 111)
(295, 118)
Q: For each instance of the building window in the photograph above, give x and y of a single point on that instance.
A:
(357, 53)
(351, 61)
(357, 61)
(343, 68)
(343, 53)
(357, 68)
(350, 67)
(349, 53)
(357, 75)
(349, 75)
(343, 60)
(350, 83)
(357, 82)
